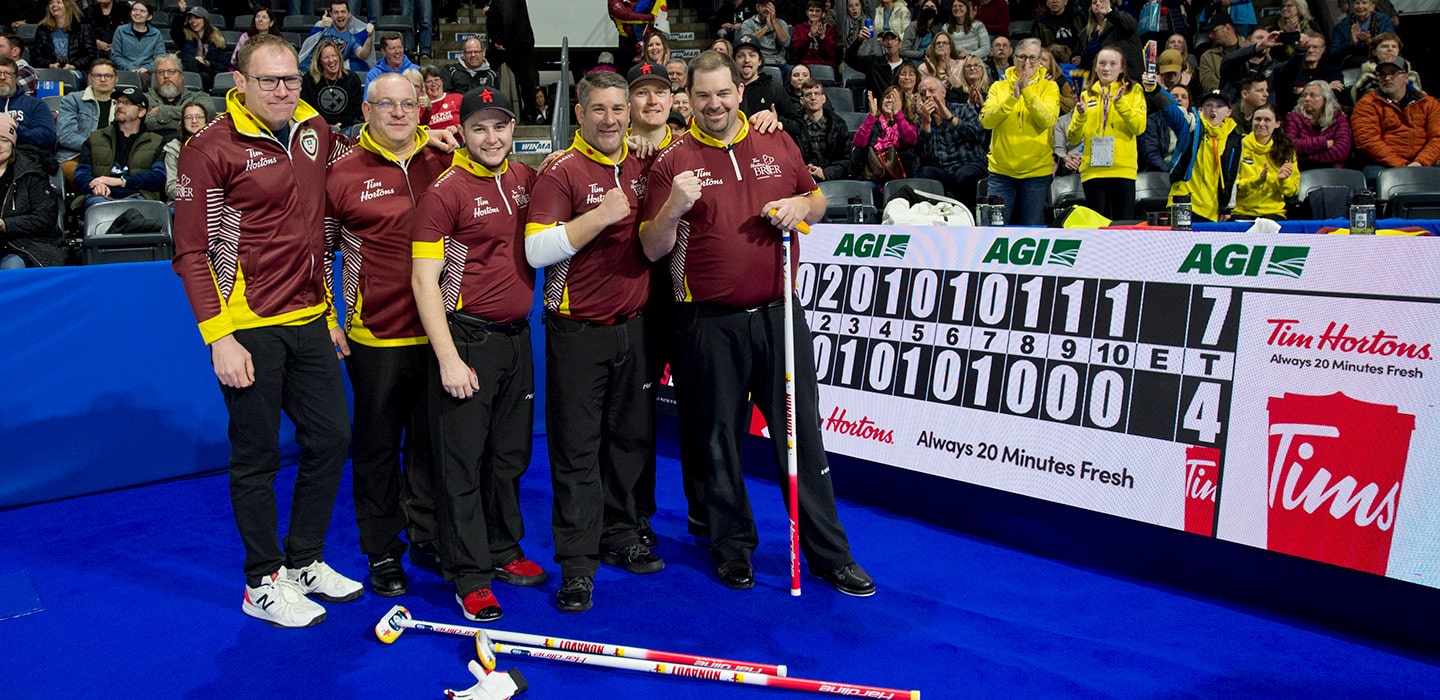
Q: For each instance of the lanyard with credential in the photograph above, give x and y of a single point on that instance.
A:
(1104, 109)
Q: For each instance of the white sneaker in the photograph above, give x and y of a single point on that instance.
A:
(281, 602)
(324, 583)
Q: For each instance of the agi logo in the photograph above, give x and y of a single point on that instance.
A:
(873, 245)
(1030, 251)
(1238, 259)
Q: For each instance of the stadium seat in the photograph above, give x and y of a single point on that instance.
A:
(223, 82)
(53, 102)
(129, 77)
(840, 99)
(70, 78)
(232, 37)
(27, 32)
(919, 184)
(193, 80)
(1021, 29)
(1313, 180)
(1152, 192)
(1065, 192)
(1409, 193)
(298, 23)
(853, 120)
(161, 19)
(100, 246)
(218, 102)
(850, 202)
(242, 22)
(775, 74)
(403, 24)
(825, 75)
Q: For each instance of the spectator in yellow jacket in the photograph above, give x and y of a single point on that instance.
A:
(1214, 161)
(1020, 112)
(1109, 115)
(1269, 173)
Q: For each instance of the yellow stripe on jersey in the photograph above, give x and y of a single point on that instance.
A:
(428, 250)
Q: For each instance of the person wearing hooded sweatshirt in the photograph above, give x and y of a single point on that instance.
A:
(36, 125)
(1268, 173)
(1020, 112)
(1109, 116)
(1206, 170)
(28, 205)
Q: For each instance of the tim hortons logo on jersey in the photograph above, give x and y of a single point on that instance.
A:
(373, 189)
(1030, 251)
(483, 207)
(257, 159)
(862, 428)
(520, 196)
(765, 167)
(707, 179)
(1337, 337)
(1336, 465)
(1202, 480)
(596, 195)
(183, 190)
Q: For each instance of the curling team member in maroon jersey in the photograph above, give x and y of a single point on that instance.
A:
(371, 192)
(600, 412)
(249, 238)
(709, 200)
(474, 289)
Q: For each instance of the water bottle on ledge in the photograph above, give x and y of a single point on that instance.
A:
(1180, 213)
(1362, 214)
(997, 211)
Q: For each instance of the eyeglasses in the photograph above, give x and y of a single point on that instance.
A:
(102, 76)
(1027, 59)
(390, 105)
(7, 74)
(268, 83)
(168, 71)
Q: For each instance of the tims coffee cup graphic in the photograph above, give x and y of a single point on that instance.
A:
(1336, 467)
(1202, 479)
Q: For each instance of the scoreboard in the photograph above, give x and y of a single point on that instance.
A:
(1230, 385)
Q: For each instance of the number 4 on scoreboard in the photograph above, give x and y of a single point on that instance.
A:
(1202, 416)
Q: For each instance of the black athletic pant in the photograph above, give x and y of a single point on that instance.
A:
(660, 329)
(482, 445)
(600, 421)
(727, 357)
(519, 61)
(1113, 197)
(390, 385)
(295, 371)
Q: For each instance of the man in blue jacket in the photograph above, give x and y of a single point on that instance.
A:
(36, 124)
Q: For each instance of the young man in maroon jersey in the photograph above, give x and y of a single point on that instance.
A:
(473, 290)
(600, 411)
(710, 200)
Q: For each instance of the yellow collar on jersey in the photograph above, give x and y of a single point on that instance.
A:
(713, 142)
(247, 124)
(368, 143)
(464, 162)
(590, 152)
(669, 136)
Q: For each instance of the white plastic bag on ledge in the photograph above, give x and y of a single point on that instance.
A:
(937, 211)
(1263, 225)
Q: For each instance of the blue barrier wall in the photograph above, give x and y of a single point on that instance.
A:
(105, 383)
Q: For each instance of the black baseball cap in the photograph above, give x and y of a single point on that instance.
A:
(484, 98)
(1215, 95)
(1219, 19)
(134, 94)
(747, 42)
(641, 72)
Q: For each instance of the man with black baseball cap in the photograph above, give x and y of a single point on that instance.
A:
(1223, 41)
(878, 61)
(762, 92)
(1207, 171)
(473, 289)
(123, 160)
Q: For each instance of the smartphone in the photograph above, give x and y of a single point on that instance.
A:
(1289, 38)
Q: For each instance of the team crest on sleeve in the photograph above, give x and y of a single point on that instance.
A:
(310, 142)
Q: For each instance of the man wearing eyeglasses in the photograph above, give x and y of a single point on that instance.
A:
(169, 97)
(83, 112)
(13, 46)
(123, 161)
(370, 202)
(250, 251)
(1020, 112)
(36, 123)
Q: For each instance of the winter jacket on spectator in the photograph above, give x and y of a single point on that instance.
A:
(886, 132)
(1395, 134)
(105, 25)
(1120, 33)
(898, 20)
(79, 115)
(1348, 53)
(1066, 29)
(1125, 122)
(460, 79)
(144, 169)
(130, 51)
(834, 158)
(81, 47)
(1210, 163)
(995, 15)
(30, 210)
(1369, 82)
(864, 55)
(1316, 147)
